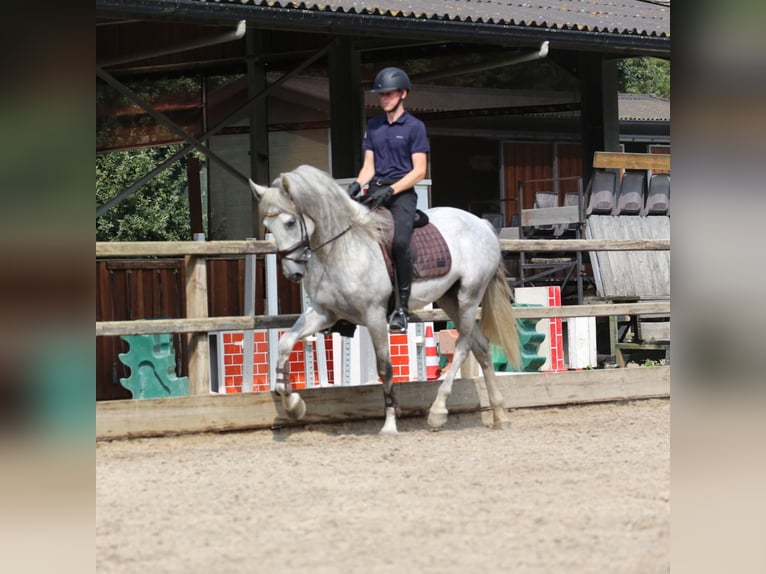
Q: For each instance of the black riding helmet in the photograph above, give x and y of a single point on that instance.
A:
(390, 79)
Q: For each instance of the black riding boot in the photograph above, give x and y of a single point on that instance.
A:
(397, 323)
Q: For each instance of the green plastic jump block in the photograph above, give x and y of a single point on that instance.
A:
(152, 363)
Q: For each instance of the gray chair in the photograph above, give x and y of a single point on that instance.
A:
(658, 196)
(601, 193)
(630, 200)
(570, 199)
(545, 199)
(496, 219)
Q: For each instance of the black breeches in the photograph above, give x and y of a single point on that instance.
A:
(402, 207)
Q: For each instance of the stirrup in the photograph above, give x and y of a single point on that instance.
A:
(397, 323)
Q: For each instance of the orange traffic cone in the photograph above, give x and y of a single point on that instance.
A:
(432, 356)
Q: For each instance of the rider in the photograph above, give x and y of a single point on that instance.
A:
(395, 159)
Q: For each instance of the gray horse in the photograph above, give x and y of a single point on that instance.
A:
(333, 244)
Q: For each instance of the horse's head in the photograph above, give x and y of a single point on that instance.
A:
(291, 229)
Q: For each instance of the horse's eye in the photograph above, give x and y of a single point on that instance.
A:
(290, 223)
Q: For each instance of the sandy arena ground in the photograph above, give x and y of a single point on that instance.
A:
(566, 490)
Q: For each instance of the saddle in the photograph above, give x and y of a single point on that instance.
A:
(430, 254)
(430, 258)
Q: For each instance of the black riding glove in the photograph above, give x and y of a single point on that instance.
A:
(354, 189)
(378, 197)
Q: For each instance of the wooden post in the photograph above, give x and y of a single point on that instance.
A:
(346, 109)
(196, 307)
(592, 108)
(259, 134)
(195, 195)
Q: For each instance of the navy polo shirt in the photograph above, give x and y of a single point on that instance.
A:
(393, 144)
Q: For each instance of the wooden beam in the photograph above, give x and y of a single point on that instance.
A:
(259, 247)
(573, 245)
(346, 108)
(212, 413)
(550, 215)
(181, 248)
(242, 323)
(619, 160)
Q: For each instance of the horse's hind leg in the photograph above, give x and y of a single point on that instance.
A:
(469, 334)
(466, 325)
(480, 350)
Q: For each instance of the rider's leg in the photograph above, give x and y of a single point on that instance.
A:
(402, 208)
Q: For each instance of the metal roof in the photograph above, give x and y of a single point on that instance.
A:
(640, 27)
(641, 17)
(643, 107)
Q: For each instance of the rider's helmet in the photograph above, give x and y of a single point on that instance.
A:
(390, 79)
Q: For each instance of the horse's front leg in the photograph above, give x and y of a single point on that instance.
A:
(307, 324)
(378, 329)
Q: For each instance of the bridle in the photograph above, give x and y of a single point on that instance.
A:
(304, 242)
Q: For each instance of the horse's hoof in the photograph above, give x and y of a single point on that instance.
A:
(279, 388)
(296, 407)
(437, 420)
(389, 427)
(500, 422)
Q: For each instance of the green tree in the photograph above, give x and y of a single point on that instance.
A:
(158, 211)
(644, 76)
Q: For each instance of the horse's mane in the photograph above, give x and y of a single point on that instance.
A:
(316, 194)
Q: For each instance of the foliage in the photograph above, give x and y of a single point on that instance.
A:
(116, 113)
(150, 90)
(644, 76)
(158, 211)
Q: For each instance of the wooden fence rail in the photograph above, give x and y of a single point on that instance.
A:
(201, 411)
(210, 324)
(197, 323)
(261, 247)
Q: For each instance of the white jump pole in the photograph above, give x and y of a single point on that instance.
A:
(272, 308)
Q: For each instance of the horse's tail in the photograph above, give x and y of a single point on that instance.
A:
(498, 319)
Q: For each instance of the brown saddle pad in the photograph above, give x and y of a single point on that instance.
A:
(430, 254)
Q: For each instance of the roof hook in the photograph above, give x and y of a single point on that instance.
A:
(485, 65)
(237, 34)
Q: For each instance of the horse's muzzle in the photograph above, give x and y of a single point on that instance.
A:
(294, 276)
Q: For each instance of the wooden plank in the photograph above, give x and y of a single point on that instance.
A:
(550, 215)
(618, 160)
(142, 264)
(649, 244)
(654, 331)
(587, 386)
(212, 248)
(638, 274)
(212, 324)
(195, 414)
(181, 248)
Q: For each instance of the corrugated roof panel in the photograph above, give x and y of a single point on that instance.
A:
(643, 107)
(628, 17)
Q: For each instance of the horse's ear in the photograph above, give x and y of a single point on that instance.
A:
(258, 190)
(284, 181)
